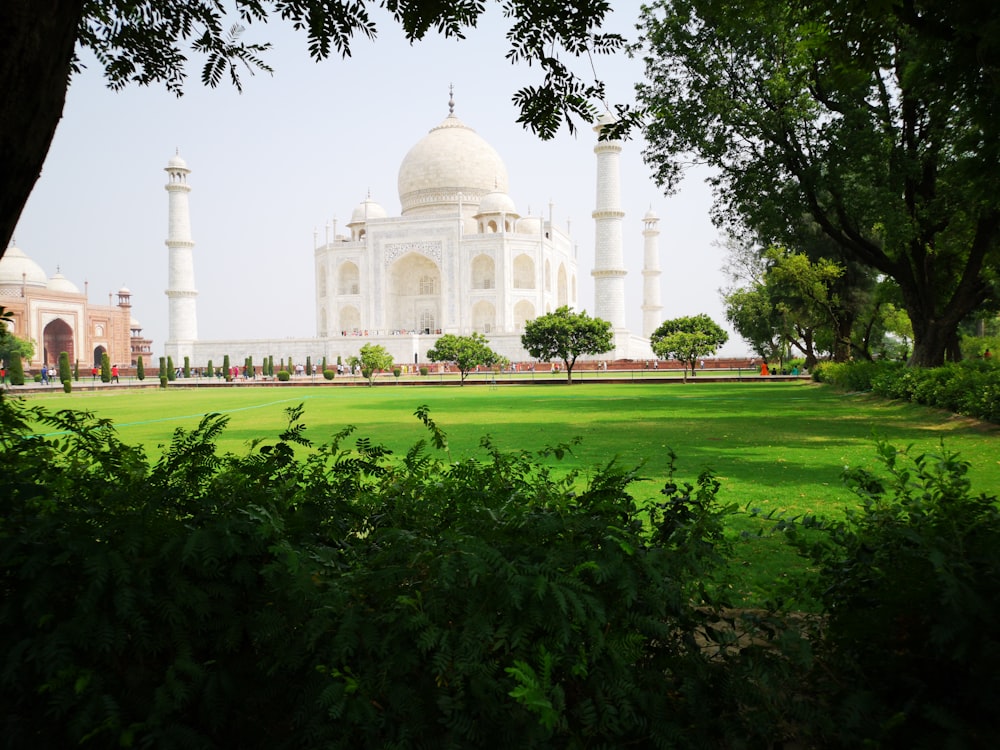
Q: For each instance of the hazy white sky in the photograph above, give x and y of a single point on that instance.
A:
(303, 147)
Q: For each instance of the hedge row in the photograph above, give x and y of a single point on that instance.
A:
(343, 598)
(970, 388)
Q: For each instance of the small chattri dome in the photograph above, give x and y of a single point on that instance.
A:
(650, 216)
(17, 268)
(176, 162)
(124, 290)
(366, 211)
(497, 202)
(530, 225)
(59, 283)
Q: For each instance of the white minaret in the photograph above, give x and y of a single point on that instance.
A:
(652, 310)
(609, 264)
(182, 330)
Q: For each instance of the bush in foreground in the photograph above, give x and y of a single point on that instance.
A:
(910, 583)
(345, 598)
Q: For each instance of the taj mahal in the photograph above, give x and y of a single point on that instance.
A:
(458, 258)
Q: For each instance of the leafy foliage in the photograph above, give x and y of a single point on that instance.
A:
(466, 352)
(565, 335)
(970, 388)
(911, 587)
(343, 599)
(12, 347)
(688, 338)
(373, 358)
(872, 121)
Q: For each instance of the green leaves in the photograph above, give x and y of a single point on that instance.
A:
(685, 339)
(335, 598)
(565, 335)
(466, 352)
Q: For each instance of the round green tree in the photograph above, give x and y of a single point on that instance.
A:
(686, 339)
(565, 335)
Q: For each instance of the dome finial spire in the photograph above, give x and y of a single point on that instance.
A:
(451, 99)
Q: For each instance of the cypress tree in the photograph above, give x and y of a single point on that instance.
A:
(209, 370)
(309, 367)
(105, 368)
(226, 369)
(163, 372)
(187, 367)
(16, 367)
(140, 369)
(65, 373)
(171, 374)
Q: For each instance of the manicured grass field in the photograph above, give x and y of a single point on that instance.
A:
(778, 447)
(773, 445)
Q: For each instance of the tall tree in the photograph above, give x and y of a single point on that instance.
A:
(466, 352)
(372, 359)
(877, 121)
(688, 338)
(565, 335)
(150, 41)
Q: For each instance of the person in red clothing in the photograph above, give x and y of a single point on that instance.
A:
(763, 368)
(114, 374)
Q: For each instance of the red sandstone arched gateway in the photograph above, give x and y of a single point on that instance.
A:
(57, 338)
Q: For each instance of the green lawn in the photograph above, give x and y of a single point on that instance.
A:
(774, 445)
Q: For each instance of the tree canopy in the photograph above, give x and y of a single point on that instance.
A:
(371, 359)
(152, 42)
(876, 121)
(10, 345)
(688, 338)
(565, 335)
(466, 352)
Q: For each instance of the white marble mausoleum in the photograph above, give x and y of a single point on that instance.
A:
(459, 257)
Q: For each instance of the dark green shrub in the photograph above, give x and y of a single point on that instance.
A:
(105, 368)
(187, 367)
(309, 368)
(67, 385)
(344, 600)
(16, 367)
(37, 377)
(140, 369)
(423, 370)
(227, 369)
(283, 376)
(971, 388)
(171, 370)
(329, 374)
(911, 588)
(396, 371)
(65, 371)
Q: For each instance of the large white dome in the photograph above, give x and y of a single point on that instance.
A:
(17, 268)
(452, 164)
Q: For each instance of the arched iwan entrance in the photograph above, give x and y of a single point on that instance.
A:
(58, 338)
(414, 299)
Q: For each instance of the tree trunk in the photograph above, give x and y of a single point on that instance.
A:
(37, 39)
(934, 343)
